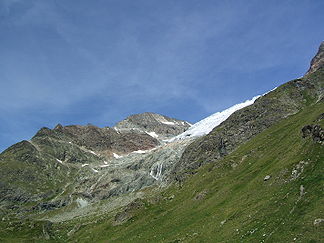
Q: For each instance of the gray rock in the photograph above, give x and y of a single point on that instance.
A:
(316, 132)
(318, 222)
(302, 191)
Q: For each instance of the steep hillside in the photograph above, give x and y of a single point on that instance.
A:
(269, 190)
(244, 124)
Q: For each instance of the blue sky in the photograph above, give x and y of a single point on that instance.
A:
(98, 61)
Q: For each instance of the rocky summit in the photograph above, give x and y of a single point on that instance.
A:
(256, 176)
(156, 125)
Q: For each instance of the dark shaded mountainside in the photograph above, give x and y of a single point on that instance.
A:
(257, 177)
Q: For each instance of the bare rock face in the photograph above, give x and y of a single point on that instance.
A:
(318, 61)
(156, 125)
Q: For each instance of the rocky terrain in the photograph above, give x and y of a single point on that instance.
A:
(92, 162)
(156, 125)
(155, 177)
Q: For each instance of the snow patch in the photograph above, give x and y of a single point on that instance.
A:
(94, 170)
(139, 152)
(164, 121)
(117, 156)
(103, 166)
(84, 165)
(206, 125)
(93, 152)
(117, 130)
(153, 134)
(60, 161)
(168, 122)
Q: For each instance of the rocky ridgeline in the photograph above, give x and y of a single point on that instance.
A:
(103, 141)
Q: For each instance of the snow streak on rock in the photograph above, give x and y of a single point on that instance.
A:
(140, 152)
(153, 134)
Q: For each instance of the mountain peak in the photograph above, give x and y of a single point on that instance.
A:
(153, 124)
(317, 61)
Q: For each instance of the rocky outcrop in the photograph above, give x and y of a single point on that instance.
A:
(318, 61)
(316, 132)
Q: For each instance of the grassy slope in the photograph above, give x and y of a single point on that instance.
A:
(254, 210)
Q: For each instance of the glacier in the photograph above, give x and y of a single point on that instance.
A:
(206, 125)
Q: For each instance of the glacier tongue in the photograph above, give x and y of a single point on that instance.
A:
(206, 125)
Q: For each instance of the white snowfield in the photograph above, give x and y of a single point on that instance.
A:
(206, 125)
